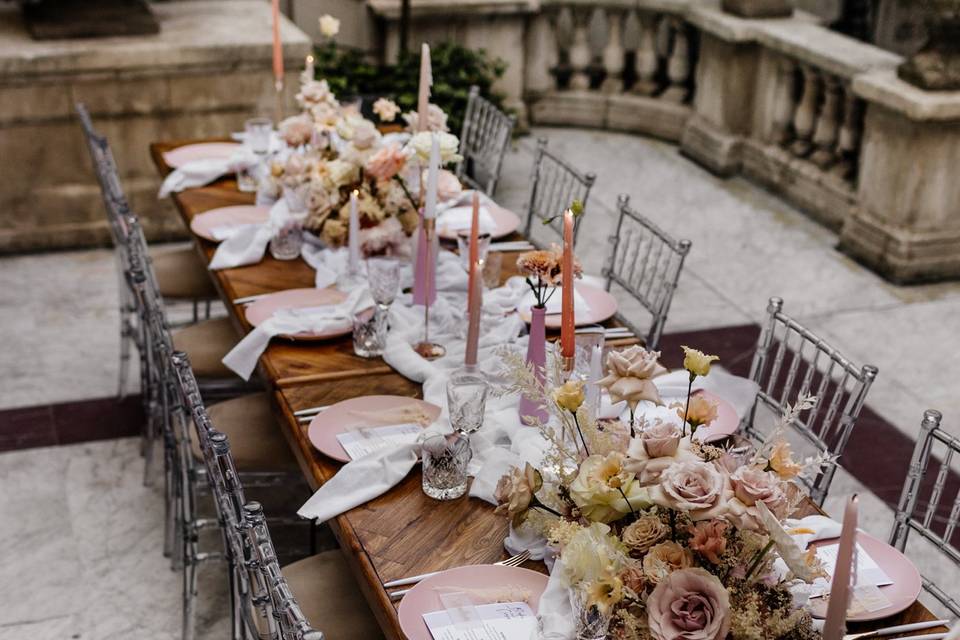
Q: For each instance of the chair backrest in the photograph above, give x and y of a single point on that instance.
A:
(250, 590)
(791, 362)
(925, 504)
(291, 623)
(556, 185)
(483, 143)
(105, 167)
(646, 262)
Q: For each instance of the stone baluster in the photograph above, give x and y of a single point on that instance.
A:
(828, 125)
(614, 54)
(804, 120)
(648, 61)
(598, 32)
(580, 57)
(632, 34)
(564, 34)
(678, 64)
(848, 142)
(784, 102)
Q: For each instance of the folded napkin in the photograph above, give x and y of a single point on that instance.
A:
(812, 529)
(329, 264)
(739, 392)
(555, 303)
(555, 610)
(222, 232)
(243, 358)
(247, 244)
(202, 172)
(461, 218)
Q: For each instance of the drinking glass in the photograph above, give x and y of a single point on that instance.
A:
(445, 460)
(384, 277)
(369, 334)
(467, 400)
(463, 246)
(297, 198)
(287, 240)
(586, 340)
(491, 269)
(247, 178)
(258, 132)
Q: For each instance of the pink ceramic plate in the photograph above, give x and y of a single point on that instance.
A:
(505, 221)
(178, 157)
(265, 307)
(423, 599)
(726, 423)
(602, 305)
(906, 579)
(204, 223)
(339, 418)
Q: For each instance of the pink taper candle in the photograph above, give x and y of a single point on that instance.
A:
(277, 46)
(474, 287)
(426, 82)
(841, 587)
(567, 321)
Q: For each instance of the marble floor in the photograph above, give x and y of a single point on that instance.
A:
(83, 535)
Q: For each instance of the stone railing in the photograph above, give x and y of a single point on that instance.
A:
(615, 64)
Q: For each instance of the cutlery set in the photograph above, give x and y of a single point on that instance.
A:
(513, 561)
(904, 628)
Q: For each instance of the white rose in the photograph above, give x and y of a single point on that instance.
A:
(422, 143)
(329, 26)
(342, 173)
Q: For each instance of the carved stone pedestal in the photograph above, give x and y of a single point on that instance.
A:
(758, 8)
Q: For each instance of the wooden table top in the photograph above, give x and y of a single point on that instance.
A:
(389, 537)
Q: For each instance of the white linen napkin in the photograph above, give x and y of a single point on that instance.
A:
(222, 232)
(201, 172)
(248, 243)
(555, 611)
(243, 358)
(555, 303)
(457, 219)
(328, 263)
(739, 392)
(823, 528)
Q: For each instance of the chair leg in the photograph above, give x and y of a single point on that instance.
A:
(189, 599)
(149, 437)
(169, 500)
(207, 310)
(125, 339)
(196, 310)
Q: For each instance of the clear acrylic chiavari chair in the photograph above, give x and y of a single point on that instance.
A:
(646, 263)
(556, 184)
(925, 504)
(792, 362)
(484, 140)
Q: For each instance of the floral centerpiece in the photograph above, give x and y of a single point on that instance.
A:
(660, 536)
(332, 151)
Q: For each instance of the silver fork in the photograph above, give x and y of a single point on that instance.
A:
(903, 628)
(512, 561)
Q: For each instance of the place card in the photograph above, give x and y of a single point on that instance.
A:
(869, 573)
(363, 442)
(500, 621)
(867, 599)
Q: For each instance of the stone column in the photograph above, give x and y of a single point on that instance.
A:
(906, 224)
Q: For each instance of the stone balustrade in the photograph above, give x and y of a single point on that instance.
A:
(620, 65)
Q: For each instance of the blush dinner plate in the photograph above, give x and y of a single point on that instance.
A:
(505, 222)
(178, 157)
(341, 417)
(901, 594)
(266, 306)
(423, 598)
(203, 224)
(602, 305)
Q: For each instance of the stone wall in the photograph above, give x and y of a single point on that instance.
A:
(206, 72)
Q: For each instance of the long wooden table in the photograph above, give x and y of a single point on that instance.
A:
(403, 532)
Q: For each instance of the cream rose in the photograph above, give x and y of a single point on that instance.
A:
(698, 488)
(342, 173)
(422, 143)
(645, 532)
(604, 491)
(329, 26)
(570, 395)
(630, 374)
(314, 92)
(690, 604)
(661, 439)
(515, 491)
(386, 109)
(753, 484)
(665, 558)
(296, 130)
